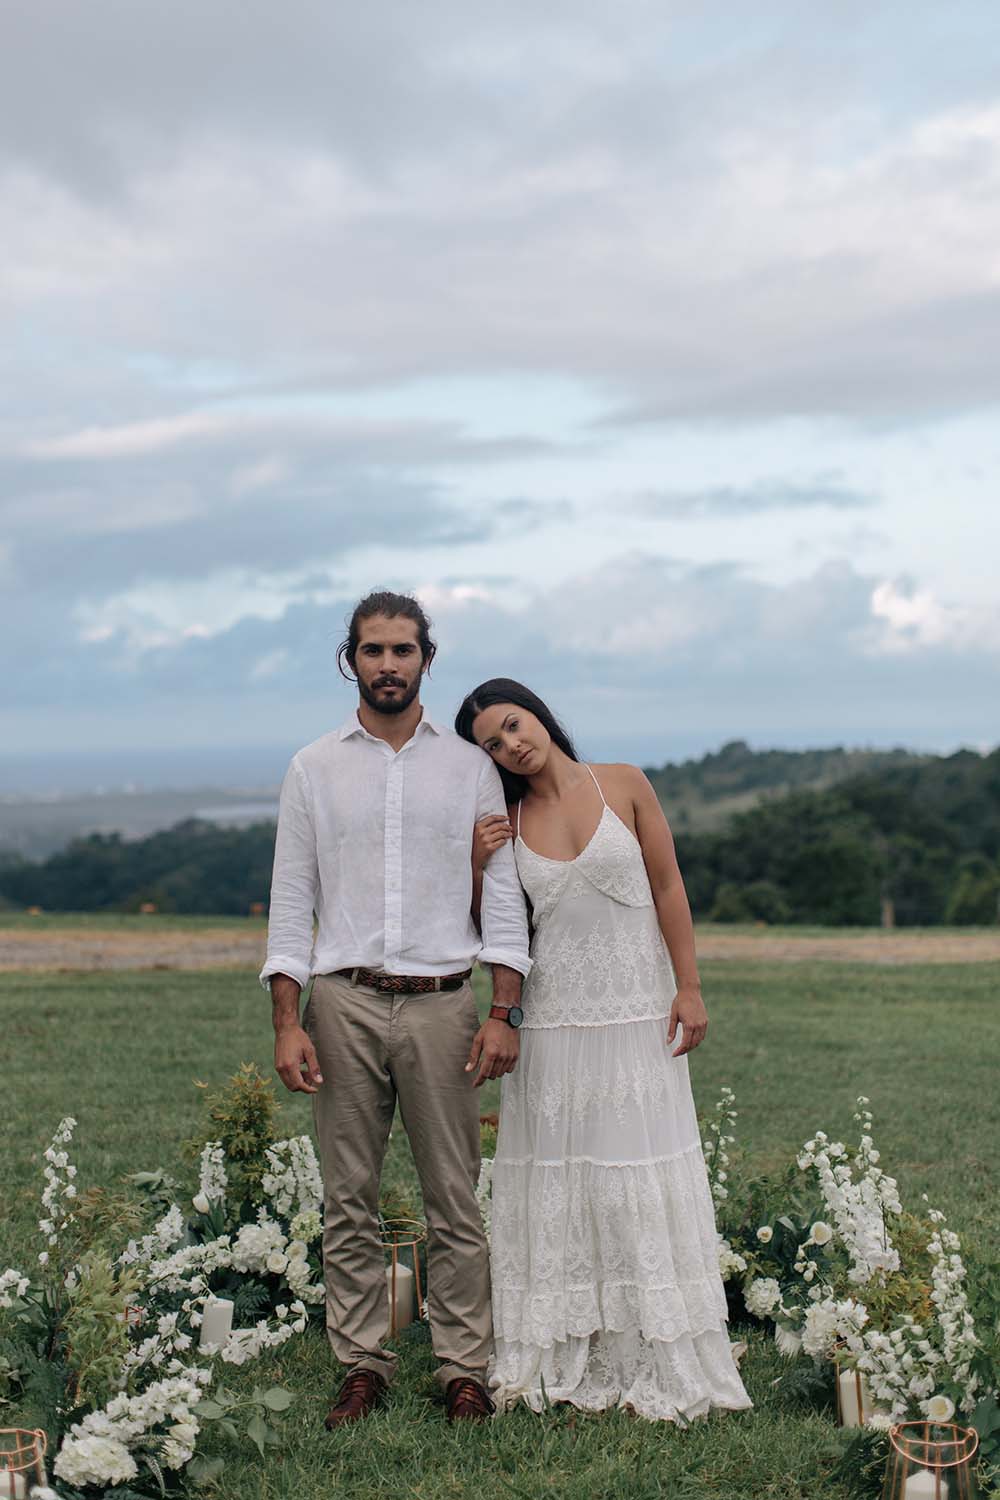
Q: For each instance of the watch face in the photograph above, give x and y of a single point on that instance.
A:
(515, 1015)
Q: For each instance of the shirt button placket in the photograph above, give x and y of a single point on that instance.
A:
(394, 861)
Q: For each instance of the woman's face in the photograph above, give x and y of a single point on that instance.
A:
(514, 737)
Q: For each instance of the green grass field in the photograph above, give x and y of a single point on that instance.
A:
(797, 1043)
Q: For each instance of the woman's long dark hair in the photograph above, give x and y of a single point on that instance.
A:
(505, 690)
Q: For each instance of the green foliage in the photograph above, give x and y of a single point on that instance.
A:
(243, 1116)
(975, 896)
(862, 1468)
(95, 1330)
(921, 833)
(818, 836)
(195, 866)
(229, 1411)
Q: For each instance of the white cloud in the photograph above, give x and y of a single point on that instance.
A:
(912, 618)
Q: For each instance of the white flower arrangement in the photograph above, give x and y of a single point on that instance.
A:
(212, 1177)
(152, 1420)
(99, 1449)
(811, 1275)
(294, 1183)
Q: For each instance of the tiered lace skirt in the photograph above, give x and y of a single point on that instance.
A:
(606, 1289)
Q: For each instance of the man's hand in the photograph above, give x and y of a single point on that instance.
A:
(295, 1060)
(489, 835)
(689, 1011)
(495, 1048)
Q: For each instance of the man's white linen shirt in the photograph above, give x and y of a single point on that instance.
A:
(378, 843)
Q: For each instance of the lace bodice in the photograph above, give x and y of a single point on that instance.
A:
(598, 952)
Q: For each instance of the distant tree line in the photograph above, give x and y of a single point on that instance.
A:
(914, 840)
(196, 867)
(917, 843)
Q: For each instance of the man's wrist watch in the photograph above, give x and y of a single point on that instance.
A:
(512, 1014)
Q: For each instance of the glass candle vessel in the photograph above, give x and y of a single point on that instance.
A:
(931, 1461)
(402, 1282)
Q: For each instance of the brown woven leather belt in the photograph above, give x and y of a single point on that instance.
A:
(405, 984)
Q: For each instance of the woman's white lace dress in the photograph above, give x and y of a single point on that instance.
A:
(605, 1266)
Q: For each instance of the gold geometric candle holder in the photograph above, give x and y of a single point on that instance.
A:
(22, 1461)
(931, 1461)
(401, 1282)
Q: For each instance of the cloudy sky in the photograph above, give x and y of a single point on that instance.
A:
(655, 345)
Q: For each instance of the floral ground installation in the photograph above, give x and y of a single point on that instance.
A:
(825, 1254)
(101, 1336)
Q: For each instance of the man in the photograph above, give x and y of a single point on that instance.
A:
(375, 832)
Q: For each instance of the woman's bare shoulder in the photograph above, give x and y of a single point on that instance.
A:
(617, 774)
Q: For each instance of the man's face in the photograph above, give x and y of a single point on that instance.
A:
(388, 663)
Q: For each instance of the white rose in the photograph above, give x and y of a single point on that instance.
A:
(939, 1409)
(43, 1258)
(297, 1250)
(201, 1203)
(765, 1234)
(276, 1262)
(821, 1233)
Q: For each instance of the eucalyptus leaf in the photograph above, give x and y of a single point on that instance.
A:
(277, 1398)
(210, 1410)
(257, 1432)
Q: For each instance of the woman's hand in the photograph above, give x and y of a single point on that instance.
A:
(689, 1011)
(489, 835)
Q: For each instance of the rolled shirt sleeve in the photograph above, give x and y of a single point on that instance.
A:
(503, 913)
(294, 883)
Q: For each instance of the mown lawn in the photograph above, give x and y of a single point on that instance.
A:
(797, 1043)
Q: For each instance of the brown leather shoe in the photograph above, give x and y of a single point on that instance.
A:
(466, 1400)
(360, 1393)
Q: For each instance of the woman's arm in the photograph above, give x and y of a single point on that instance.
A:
(672, 909)
(489, 835)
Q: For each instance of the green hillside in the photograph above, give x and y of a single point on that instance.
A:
(829, 837)
(701, 795)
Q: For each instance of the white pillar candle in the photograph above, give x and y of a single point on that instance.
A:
(13, 1485)
(923, 1485)
(850, 1416)
(404, 1294)
(216, 1322)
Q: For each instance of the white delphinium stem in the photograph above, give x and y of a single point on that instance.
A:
(959, 1342)
(717, 1138)
(245, 1344)
(857, 1206)
(294, 1184)
(60, 1188)
(167, 1232)
(212, 1179)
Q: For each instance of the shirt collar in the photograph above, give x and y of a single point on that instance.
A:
(353, 725)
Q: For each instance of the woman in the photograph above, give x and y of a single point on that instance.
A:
(606, 1288)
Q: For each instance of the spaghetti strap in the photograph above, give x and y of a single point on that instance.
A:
(598, 785)
(517, 818)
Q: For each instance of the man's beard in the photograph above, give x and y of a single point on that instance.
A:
(389, 705)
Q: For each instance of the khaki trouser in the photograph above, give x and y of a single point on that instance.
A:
(373, 1049)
